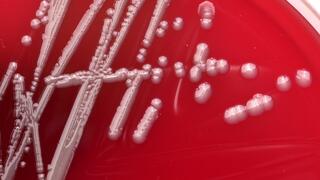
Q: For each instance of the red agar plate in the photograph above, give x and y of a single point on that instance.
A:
(189, 137)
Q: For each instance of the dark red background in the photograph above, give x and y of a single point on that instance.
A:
(189, 141)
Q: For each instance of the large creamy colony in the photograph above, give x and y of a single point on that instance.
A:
(113, 32)
(255, 106)
(41, 19)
